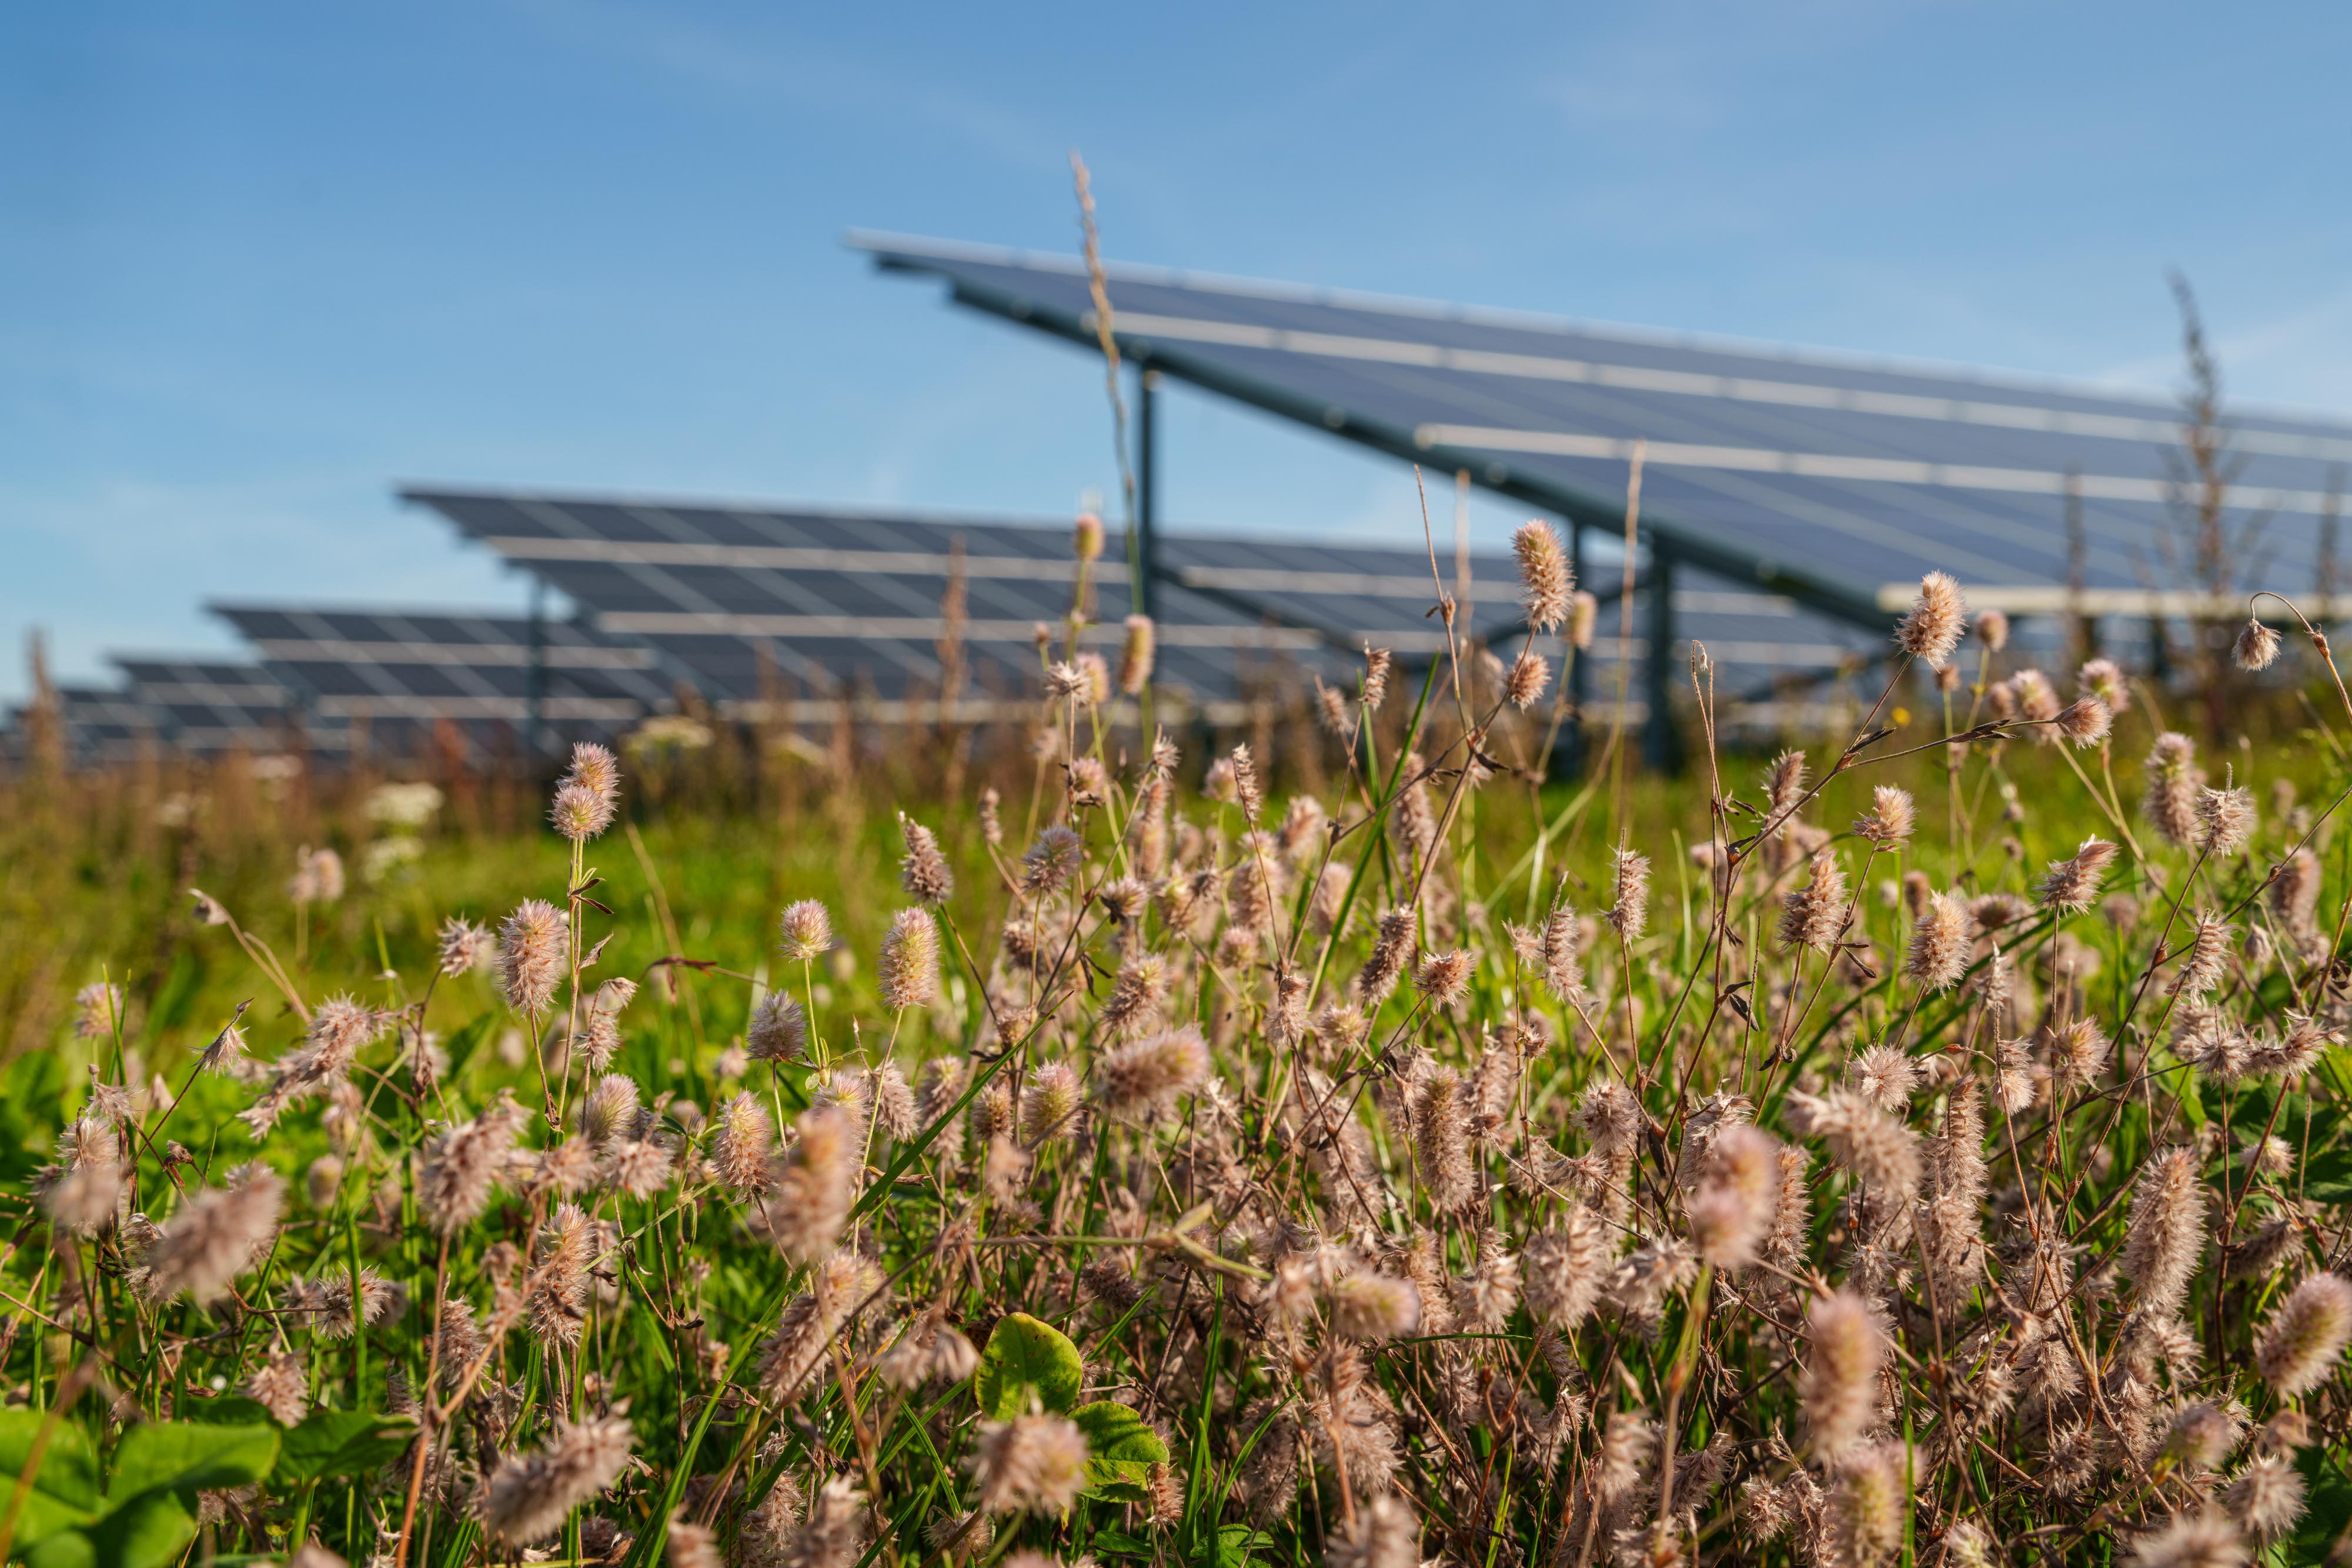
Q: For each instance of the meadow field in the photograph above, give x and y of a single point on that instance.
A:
(1921, 1144)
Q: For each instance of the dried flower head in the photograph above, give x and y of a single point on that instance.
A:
(1135, 655)
(1032, 1464)
(1843, 1349)
(1936, 618)
(1146, 1078)
(528, 1498)
(2306, 1336)
(534, 946)
(219, 1234)
(2257, 647)
(812, 1187)
(909, 970)
(1545, 579)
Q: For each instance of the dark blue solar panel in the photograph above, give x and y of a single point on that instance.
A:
(1840, 480)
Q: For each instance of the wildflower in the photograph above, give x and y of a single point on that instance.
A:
(318, 877)
(1890, 818)
(2085, 721)
(1375, 689)
(1530, 673)
(2078, 1055)
(2104, 679)
(1087, 537)
(595, 768)
(2070, 886)
(1441, 1140)
(2305, 1335)
(2207, 956)
(2225, 820)
(464, 947)
(219, 1234)
(1564, 1268)
(2266, 1498)
(1444, 978)
(1034, 1464)
(2257, 647)
(1372, 1306)
(1814, 914)
(1939, 943)
(1137, 1082)
(534, 946)
(835, 1532)
(1562, 942)
(1545, 579)
(2174, 783)
(807, 931)
(1629, 906)
(578, 812)
(1936, 618)
(840, 1287)
(98, 1010)
(2206, 1539)
(281, 1386)
(1135, 655)
(1050, 1104)
(815, 1184)
(1738, 1191)
(923, 870)
(911, 961)
(1391, 947)
(1868, 1506)
(1052, 861)
(1992, 629)
(527, 1499)
(692, 1545)
(1841, 1382)
(740, 1144)
(1247, 792)
(2165, 1234)
(1383, 1534)
(457, 1167)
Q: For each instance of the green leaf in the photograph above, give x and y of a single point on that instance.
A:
(1023, 1353)
(2327, 1177)
(1233, 1544)
(64, 1492)
(462, 1043)
(227, 1410)
(64, 1549)
(1121, 1452)
(1118, 1546)
(149, 1532)
(341, 1442)
(2328, 1510)
(186, 1456)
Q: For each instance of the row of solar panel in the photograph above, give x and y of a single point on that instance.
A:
(796, 612)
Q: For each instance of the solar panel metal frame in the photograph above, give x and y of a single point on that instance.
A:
(1693, 468)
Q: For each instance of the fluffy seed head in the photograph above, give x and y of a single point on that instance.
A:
(2225, 820)
(1867, 1508)
(909, 970)
(1031, 1464)
(1444, 978)
(1936, 618)
(528, 1498)
(1050, 1104)
(2070, 886)
(2305, 1335)
(815, 1184)
(1739, 1192)
(578, 812)
(1813, 916)
(1939, 943)
(219, 1234)
(2257, 647)
(1372, 1306)
(1545, 580)
(1052, 861)
(534, 946)
(98, 1010)
(1840, 1383)
(1563, 1269)
(2206, 1539)
(1143, 1079)
(1992, 629)
(1629, 905)
(1086, 536)
(1890, 818)
(2165, 1235)
(1377, 664)
(2085, 721)
(1530, 673)
(1135, 655)
(777, 1030)
(806, 931)
(2104, 679)
(464, 947)
(923, 870)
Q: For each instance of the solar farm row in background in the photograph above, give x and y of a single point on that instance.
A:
(796, 614)
(1835, 478)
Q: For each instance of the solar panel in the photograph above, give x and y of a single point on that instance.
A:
(1834, 481)
(829, 606)
(100, 725)
(395, 678)
(203, 705)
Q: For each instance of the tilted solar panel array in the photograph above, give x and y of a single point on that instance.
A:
(392, 678)
(1836, 481)
(758, 603)
(204, 706)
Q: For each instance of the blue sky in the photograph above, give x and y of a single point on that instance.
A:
(261, 260)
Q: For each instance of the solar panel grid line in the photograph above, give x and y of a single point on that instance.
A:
(920, 254)
(1841, 439)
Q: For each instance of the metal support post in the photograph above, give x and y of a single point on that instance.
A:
(1660, 742)
(1146, 578)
